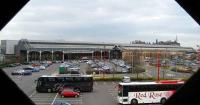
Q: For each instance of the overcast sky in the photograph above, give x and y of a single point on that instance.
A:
(117, 21)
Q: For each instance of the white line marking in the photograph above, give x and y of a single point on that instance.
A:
(32, 94)
(54, 99)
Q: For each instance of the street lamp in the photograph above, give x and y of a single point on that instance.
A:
(132, 62)
(158, 65)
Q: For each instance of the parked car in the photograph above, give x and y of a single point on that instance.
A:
(41, 67)
(68, 92)
(16, 72)
(61, 103)
(21, 72)
(46, 65)
(94, 65)
(33, 69)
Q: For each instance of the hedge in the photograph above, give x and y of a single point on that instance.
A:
(120, 78)
(132, 79)
(2, 65)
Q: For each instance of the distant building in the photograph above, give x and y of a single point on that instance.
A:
(8, 46)
(1, 55)
(136, 53)
(40, 50)
(169, 42)
(8, 50)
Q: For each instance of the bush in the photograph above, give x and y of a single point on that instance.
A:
(134, 79)
(120, 79)
(108, 79)
(3, 65)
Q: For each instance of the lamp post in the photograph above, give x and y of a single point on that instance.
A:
(158, 66)
(132, 62)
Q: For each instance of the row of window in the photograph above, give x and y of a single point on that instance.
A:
(66, 79)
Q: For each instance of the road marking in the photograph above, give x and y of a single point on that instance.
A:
(32, 94)
(54, 99)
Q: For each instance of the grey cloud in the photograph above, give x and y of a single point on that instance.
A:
(102, 20)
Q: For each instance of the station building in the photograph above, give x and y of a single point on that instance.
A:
(41, 50)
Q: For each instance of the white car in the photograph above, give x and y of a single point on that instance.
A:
(105, 67)
(42, 67)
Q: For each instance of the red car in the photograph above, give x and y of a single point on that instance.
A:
(68, 92)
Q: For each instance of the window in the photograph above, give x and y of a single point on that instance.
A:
(125, 90)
